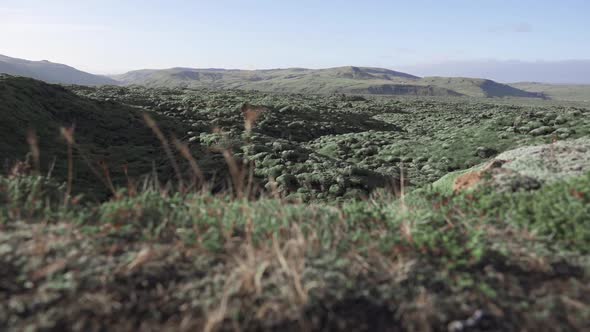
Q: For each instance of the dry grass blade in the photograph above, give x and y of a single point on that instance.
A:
(50, 269)
(198, 176)
(131, 186)
(34, 147)
(107, 176)
(251, 114)
(237, 177)
(145, 255)
(291, 272)
(68, 134)
(165, 144)
(218, 315)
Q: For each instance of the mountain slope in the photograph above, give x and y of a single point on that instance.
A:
(50, 72)
(354, 80)
(477, 87)
(566, 92)
(298, 80)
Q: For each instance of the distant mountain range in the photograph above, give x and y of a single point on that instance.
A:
(348, 80)
(352, 80)
(50, 72)
(569, 92)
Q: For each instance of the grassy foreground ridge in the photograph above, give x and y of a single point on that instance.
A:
(156, 261)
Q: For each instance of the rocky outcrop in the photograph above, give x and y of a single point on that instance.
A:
(530, 167)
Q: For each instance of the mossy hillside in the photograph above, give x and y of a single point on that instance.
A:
(330, 135)
(426, 138)
(106, 133)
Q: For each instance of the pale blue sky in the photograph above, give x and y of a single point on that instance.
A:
(111, 36)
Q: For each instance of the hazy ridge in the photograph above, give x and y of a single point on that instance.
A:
(346, 80)
(50, 72)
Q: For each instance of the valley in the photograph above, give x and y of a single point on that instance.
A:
(160, 208)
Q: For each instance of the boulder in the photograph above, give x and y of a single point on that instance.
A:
(544, 130)
(484, 152)
(529, 168)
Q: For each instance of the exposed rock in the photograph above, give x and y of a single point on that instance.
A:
(484, 152)
(472, 179)
(544, 130)
(551, 162)
(529, 168)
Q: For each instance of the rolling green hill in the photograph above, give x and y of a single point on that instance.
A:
(566, 92)
(50, 72)
(350, 80)
(104, 131)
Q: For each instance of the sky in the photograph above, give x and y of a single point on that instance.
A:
(114, 36)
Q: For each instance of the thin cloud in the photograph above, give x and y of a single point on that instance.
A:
(69, 27)
(16, 19)
(396, 52)
(8, 11)
(522, 27)
(54, 27)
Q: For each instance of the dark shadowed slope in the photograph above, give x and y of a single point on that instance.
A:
(50, 72)
(105, 131)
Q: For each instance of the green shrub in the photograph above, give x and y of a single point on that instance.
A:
(30, 198)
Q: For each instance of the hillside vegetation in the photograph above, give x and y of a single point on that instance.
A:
(158, 260)
(106, 134)
(309, 147)
(185, 209)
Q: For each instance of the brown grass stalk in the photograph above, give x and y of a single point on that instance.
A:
(107, 177)
(237, 177)
(198, 176)
(35, 152)
(68, 134)
(166, 145)
(131, 187)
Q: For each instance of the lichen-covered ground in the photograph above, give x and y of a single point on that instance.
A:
(337, 147)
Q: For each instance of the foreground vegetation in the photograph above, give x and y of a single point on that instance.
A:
(164, 261)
